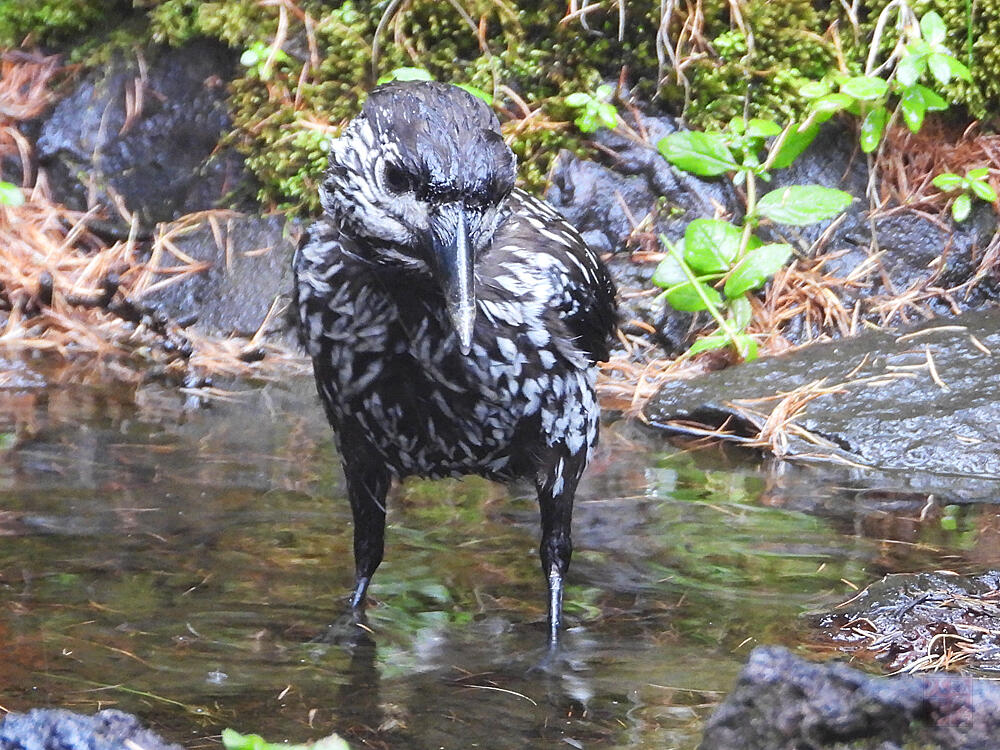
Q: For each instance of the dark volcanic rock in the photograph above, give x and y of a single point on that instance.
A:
(57, 729)
(923, 402)
(251, 265)
(781, 702)
(162, 161)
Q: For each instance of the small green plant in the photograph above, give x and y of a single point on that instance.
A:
(233, 740)
(974, 183)
(715, 251)
(261, 58)
(10, 195)
(871, 97)
(593, 111)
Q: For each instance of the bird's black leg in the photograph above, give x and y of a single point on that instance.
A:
(366, 489)
(556, 484)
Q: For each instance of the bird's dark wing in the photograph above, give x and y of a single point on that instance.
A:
(579, 291)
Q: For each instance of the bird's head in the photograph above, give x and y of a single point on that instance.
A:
(421, 178)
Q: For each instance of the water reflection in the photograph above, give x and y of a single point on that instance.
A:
(185, 562)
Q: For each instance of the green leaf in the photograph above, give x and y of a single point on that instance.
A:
(978, 173)
(872, 129)
(866, 88)
(607, 115)
(10, 195)
(233, 740)
(932, 100)
(706, 343)
(984, 190)
(958, 70)
(831, 103)
(578, 99)
(406, 74)
(961, 207)
(939, 66)
(911, 103)
(932, 28)
(910, 68)
(250, 57)
(604, 91)
(740, 312)
(759, 128)
(710, 245)
(669, 272)
(737, 125)
(814, 89)
(754, 270)
(799, 205)
(746, 347)
(686, 298)
(411, 74)
(587, 122)
(947, 182)
(477, 92)
(794, 144)
(703, 154)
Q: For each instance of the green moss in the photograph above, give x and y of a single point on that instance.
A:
(48, 21)
(761, 79)
(523, 48)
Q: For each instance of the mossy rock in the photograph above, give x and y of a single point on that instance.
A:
(286, 106)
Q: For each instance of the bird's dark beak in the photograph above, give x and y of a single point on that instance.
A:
(453, 265)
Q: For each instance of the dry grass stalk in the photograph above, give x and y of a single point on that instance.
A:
(780, 422)
(911, 160)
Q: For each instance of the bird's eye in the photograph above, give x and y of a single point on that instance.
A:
(396, 179)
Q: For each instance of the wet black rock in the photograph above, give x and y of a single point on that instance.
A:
(920, 403)
(58, 729)
(632, 184)
(782, 702)
(633, 193)
(145, 129)
(250, 261)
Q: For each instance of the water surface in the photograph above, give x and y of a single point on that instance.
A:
(183, 562)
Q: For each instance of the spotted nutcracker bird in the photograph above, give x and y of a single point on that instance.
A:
(453, 320)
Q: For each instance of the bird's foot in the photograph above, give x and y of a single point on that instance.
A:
(349, 629)
(557, 660)
(356, 601)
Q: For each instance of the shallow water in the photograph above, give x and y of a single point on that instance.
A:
(183, 562)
